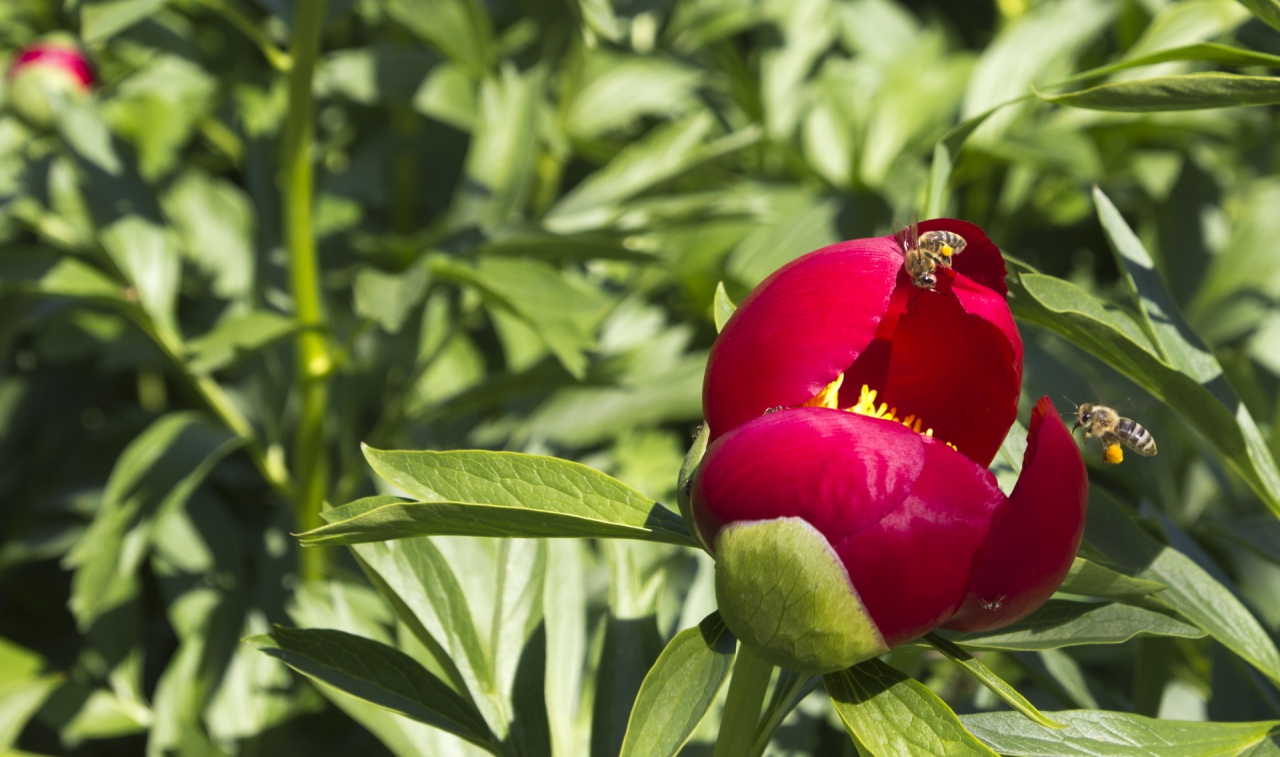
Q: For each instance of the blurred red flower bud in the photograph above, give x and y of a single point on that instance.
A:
(42, 73)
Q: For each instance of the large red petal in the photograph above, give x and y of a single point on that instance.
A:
(1033, 545)
(981, 260)
(907, 515)
(913, 568)
(956, 363)
(798, 330)
(839, 471)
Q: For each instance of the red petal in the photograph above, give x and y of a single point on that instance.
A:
(907, 515)
(1033, 545)
(796, 331)
(957, 364)
(981, 260)
(63, 57)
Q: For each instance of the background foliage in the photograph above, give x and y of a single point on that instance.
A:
(522, 212)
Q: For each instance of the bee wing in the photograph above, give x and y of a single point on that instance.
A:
(913, 235)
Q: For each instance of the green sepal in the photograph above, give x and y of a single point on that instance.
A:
(785, 594)
(684, 484)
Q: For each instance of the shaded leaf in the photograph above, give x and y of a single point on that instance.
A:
(1267, 10)
(377, 674)
(679, 689)
(238, 334)
(387, 298)
(101, 20)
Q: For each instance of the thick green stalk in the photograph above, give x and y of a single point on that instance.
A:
(742, 705)
(314, 361)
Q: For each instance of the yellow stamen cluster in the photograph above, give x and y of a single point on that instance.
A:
(1114, 454)
(829, 397)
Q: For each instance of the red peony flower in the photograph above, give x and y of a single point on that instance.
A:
(924, 535)
(55, 56)
(43, 75)
(845, 491)
(951, 357)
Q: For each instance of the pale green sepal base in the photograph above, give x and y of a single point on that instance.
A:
(785, 594)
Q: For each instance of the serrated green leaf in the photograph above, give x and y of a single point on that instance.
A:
(378, 674)
(994, 683)
(679, 689)
(1064, 624)
(1168, 93)
(1090, 579)
(1090, 733)
(528, 482)
(893, 715)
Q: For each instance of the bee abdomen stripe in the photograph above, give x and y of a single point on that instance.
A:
(1137, 437)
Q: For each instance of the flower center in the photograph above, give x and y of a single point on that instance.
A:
(830, 395)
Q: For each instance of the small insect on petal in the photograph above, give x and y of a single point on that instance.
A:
(1114, 454)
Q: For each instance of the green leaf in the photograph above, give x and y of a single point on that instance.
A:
(564, 602)
(448, 96)
(1090, 579)
(155, 475)
(387, 298)
(894, 715)
(1115, 734)
(377, 674)
(664, 153)
(1209, 52)
(100, 21)
(500, 159)
(684, 481)
(679, 689)
(564, 311)
(461, 29)
(1167, 93)
(235, 335)
(983, 675)
(722, 307)
(513, 485)
(215, 220)
(1191, 591)
(37, 269)
(621, 89)
(1209, 405)
(147, 256)
(1267, 10)
(1063, 624)
(790, 689)
(19, 701)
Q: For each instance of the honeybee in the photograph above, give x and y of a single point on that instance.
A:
(923, 253)
(1102, 422)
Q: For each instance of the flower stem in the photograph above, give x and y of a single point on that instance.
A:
(742, 706)
(314, 361)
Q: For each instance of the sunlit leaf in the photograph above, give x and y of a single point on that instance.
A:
(1182, 92)
(1093, 580)
(679, 689)
(994, 683)
(1093, 732)
(1064, 624)
(893, 715)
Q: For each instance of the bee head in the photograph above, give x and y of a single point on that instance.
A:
(1084, 414)
(926, 281)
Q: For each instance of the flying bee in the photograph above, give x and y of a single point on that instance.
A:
(923, 253)
(1102, 422)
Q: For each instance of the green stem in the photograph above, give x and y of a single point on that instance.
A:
(314, 361)
(742, 706)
